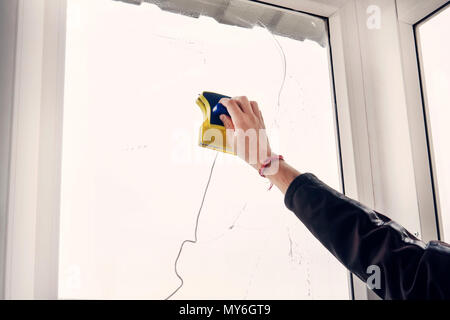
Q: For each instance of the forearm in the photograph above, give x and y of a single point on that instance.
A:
(283, 176)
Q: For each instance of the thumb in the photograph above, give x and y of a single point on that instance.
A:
(227, 121)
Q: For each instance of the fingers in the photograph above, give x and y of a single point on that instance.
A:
(262, 119)
(244, 104)
(238, 107)
(227, 122)
(233, 108)
(257, 112)
(255, 108)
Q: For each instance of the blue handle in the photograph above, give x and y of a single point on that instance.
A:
(216, 112)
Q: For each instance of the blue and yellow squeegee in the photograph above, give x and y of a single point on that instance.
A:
(213, 132)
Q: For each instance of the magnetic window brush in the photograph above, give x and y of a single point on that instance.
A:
(212, 131)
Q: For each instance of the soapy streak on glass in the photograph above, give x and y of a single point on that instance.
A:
(133, 175)
(247, 14)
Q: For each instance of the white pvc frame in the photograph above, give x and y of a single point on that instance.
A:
(429, 205)
(431, 153)
(379, 108)
(32, 216)
(8, 27)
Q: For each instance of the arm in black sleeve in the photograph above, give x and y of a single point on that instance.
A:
(359, 237)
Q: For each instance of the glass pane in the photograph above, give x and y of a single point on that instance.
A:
(133, 175)
(435, 53)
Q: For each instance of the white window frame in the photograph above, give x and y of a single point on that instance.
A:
(8, 27)
(32, 215)
(409, 17)
(425, 106)
(384, 162)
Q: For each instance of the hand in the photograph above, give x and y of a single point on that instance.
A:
(246, 131)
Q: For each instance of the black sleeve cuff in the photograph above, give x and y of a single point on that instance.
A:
(301, 180)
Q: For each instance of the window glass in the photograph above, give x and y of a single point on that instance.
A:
(434, 55)
(133, 175)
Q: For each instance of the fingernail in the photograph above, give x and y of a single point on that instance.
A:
(222, 117)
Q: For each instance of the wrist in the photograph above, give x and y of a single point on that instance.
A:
(270, 166)
(260, 162)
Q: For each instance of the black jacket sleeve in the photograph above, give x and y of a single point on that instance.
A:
(359, 237)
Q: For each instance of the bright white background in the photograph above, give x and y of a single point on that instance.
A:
(133, 175)
(435, 53)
